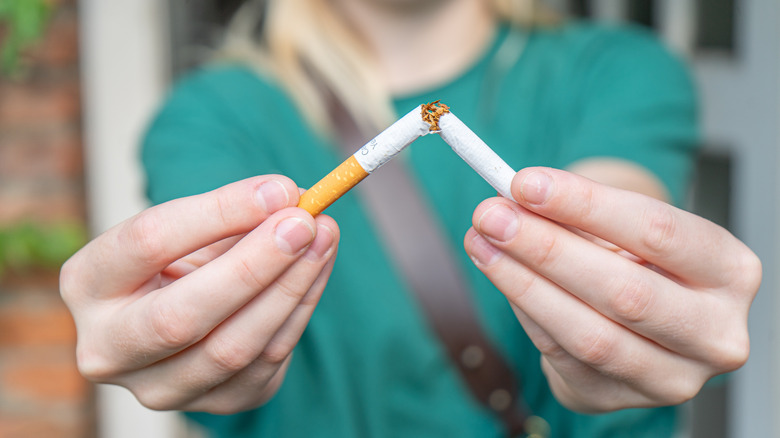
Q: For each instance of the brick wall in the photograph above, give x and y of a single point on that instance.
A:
(41, 180)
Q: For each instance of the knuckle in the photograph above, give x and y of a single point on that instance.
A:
(596, 347)
(588, 208)
(679, 390)
(172, 328)
(728, 343)
(220, 205)
(229, 355)
(659, 231)
(250, 277)
(748, 273)
(546, 251)
(69, 280)
(522, 286)
(632, 301)
(731, 353)
(275, 353)
(143, 235)
(291, 292)
(551, 349)
(94, 366)
(157, 398)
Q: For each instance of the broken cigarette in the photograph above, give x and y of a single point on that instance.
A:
(433, 117)
(367, 159)
(477, 154)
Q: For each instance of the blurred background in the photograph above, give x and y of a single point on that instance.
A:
(80, 79)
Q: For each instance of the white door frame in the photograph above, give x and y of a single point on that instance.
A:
(124, 72)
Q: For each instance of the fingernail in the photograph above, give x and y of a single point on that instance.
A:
(535, 188)
(293, 234)
(272, 196)
(321, 244)
(498, 222)
(482, 252)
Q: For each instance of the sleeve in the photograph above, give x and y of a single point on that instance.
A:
(195, 143)
(635, 101)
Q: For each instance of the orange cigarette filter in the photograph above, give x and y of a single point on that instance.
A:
(333, 186)
(371, 156)
(434, 117)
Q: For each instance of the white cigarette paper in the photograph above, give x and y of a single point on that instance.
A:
(367, 159)
(392, 140)
(423, 120)
(477, 154)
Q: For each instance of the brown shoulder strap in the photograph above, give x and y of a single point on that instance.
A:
(423, 254)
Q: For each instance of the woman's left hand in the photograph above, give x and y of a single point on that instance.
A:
(632, 302)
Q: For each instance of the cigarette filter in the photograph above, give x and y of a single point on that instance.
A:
(433, 117)
(367, 159)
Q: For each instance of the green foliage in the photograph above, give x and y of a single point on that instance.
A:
(22, 22)
(29, 246)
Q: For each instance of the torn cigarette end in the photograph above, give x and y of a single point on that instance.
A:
(431, 112)
(332, 186)
(424, 119)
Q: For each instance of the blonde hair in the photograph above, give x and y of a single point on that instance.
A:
(306, 47)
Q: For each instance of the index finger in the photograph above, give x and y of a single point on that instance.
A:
(681, 243)
(125, 257)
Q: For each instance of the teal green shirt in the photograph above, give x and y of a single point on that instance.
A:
(368, 365)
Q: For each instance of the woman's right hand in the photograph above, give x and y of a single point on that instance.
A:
(197, 304)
